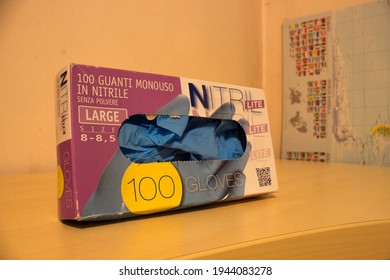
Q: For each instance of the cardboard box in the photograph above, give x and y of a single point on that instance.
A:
(97, 181)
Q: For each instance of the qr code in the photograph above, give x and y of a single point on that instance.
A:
(264, 176)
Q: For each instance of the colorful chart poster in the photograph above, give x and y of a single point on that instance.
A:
(336, 86)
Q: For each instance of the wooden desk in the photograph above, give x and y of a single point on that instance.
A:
(322, 211)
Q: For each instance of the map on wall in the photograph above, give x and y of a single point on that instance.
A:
(336, 86)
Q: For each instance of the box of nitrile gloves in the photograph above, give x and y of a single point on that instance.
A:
(132, 143)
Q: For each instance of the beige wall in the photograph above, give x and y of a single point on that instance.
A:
(210, 40)
(230, 41)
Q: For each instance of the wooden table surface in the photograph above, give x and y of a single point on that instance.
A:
(321, 211)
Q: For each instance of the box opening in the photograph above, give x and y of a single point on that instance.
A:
(146, 138)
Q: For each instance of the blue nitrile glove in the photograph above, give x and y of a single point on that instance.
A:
(107, 198)
(142, 140)
(217, 180)
(166, 138)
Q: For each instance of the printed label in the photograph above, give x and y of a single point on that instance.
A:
(99, 115)
(254, 104)
(63, 116)
(151, 187)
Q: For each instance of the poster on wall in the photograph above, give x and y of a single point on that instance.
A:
(336, 86)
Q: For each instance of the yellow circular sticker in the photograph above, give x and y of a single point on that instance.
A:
(151, 187)
(60, 182)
